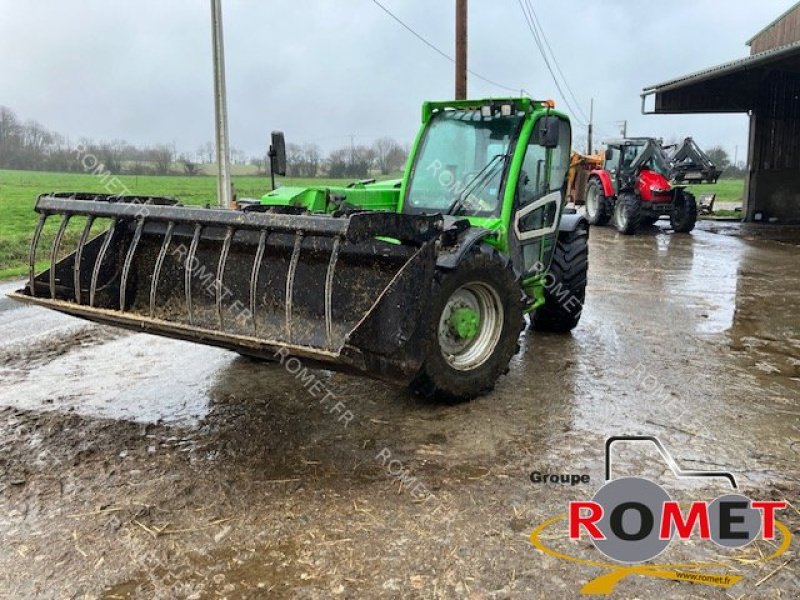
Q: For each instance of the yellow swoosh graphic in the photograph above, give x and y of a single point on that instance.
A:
(604, 584)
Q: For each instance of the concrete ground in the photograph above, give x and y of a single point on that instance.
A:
(139, 467)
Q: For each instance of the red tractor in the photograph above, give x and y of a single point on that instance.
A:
(633, 189)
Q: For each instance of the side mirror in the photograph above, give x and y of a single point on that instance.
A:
(277, 154)
(547, 131)
(609, 154)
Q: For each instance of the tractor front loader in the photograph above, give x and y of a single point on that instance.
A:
(423, 281)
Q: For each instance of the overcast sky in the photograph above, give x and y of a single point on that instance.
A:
(322, 70)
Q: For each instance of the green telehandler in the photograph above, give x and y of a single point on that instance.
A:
(423, 281)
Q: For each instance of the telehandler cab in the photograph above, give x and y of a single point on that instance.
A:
(422, 281)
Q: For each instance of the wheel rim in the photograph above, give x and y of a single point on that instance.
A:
(621, 215)
(591, 202)
(466, 347)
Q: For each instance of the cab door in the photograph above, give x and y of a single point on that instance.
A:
(539, 197)
(612, 165)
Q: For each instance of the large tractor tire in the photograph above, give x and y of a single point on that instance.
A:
(627, 212)
(474, 327)
(684, 213)
(565, 284)
(598, 209)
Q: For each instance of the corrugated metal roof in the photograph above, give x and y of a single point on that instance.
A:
(741, 64)
(775, 22)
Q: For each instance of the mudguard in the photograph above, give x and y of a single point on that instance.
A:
(467, 238)
(605, 180)
(570, 223)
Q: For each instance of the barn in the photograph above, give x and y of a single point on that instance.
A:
(766, 86)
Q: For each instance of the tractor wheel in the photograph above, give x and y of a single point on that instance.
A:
(565, 284)
(684, 212)
(627, 213)
(474, 326)
(597, 209)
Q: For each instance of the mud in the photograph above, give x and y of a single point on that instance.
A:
(138, 467)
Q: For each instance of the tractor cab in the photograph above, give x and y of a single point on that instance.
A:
(627, 158)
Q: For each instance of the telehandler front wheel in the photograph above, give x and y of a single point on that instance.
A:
(473, 329)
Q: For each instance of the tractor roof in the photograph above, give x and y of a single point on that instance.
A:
(523, 104)
(630, 141)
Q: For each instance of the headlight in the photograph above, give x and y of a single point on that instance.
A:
(658, 190)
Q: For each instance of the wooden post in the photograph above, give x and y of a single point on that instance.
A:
(461, 49)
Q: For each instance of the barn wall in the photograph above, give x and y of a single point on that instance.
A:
(774, 186)
(785, 31)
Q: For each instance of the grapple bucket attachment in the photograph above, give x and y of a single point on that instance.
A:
(315, 286)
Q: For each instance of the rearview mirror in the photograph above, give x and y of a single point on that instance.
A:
(277, 154)
(609, 154)
(547, 131)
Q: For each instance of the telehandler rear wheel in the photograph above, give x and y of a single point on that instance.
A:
(565, 284)
(474, 326)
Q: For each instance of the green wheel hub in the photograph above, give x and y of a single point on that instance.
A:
(464, 323)
(470, 325)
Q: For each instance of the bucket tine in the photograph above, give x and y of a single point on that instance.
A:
(159, 263)
(329, 291)
(223, 258)
(298, 241)
(79, 253)
(54, 254)
(198, 229)
(262, 241)
(100, 256)
(128, 260)
(32, 256)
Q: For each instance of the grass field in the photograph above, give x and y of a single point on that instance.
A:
(19, 189)
(727, 190)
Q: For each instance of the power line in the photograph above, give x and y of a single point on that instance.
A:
(540, 46)
(441, 52)
(555, 60)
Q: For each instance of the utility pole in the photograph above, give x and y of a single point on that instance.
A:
(461, 49)
(224, 189)
(591, 118)
(625, 128)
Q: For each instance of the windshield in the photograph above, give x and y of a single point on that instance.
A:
(657, 161)
(460, 164)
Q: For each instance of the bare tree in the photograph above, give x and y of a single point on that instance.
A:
(190, 166)
(206, 153)
(385, 149)
(311, 160)
(162, 157)
(351, 161)
(303, 161)
(260, 163)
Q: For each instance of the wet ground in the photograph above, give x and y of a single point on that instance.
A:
(138, 467)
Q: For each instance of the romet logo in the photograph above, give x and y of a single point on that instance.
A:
(632, 520)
